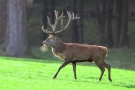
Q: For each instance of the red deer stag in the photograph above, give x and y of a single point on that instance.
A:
(74, 52)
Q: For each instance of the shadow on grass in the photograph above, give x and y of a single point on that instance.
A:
(130, 86)
(89, 79)
(125, 85)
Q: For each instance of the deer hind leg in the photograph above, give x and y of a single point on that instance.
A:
(101, 67)
(74, 69)
(109, 70)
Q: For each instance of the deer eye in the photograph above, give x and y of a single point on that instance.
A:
(50, 38)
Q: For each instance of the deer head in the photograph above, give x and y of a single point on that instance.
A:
(53, 38)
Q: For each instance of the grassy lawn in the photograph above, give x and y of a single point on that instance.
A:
(36, 74)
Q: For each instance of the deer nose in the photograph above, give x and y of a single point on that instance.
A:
(43, 42)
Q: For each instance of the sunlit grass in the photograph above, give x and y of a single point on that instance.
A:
(35, 74)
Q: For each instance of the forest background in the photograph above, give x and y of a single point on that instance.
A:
(102, 22)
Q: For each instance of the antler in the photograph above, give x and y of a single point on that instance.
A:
(56, 20)
(46, 31)
(71, 17)
(53, 26)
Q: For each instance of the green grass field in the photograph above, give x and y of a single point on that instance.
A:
(36, 74)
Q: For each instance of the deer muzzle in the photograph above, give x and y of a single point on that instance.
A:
(44, 43)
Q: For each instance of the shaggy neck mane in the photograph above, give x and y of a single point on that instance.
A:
(60, 47)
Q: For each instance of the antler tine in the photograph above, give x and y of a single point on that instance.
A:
(71, 17)
(53, 26)
(75, 17)
(57, 19)
(46, 31)
(56, 13)
(49, 23)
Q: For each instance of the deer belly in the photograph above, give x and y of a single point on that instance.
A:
(80, 57)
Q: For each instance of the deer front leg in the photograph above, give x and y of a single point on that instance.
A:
(63, 65)
(74, 69)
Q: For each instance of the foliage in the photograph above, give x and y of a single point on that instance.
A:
(36, 74)
(131, 33)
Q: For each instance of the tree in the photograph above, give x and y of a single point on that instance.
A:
(29, 7)
(16, 39)
(73, 32)
(109, 39)
(45, 13)
(52, 11)
(101, 5)
(80, 5)
(124, 40)
(3, 19)
(118, 20)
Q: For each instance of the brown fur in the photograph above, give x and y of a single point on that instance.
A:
(75, 51)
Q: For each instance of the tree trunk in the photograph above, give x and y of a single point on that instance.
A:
(80, 5)
(101, 20)
(16, 40)
(109, 39)
(118, 20)
(124, 40)
(45, 13)
(52, 11)
(3, 19)
(73, 32)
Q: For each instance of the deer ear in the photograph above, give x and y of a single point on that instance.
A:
(56, 36)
